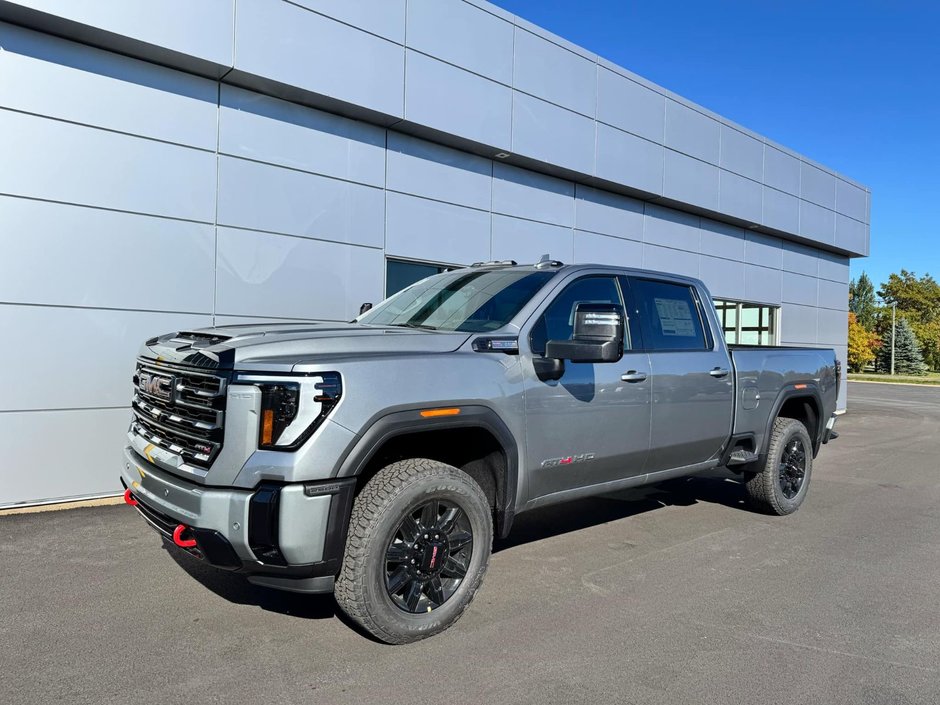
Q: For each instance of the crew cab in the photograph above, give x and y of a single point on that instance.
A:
(379, 458)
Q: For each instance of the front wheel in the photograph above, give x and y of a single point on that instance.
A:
(781, 485)
(420, 536)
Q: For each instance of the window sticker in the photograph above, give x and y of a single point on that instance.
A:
(675, 317)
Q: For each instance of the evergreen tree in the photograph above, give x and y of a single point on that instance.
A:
(862, 301)
(907, 357)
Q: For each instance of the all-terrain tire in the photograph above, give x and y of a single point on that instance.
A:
(396, 492)
(771, 490)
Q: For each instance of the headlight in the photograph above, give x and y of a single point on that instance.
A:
(292, 408)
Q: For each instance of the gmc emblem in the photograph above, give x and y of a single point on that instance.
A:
(160, 386)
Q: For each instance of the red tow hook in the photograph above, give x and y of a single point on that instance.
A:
(178, 537)
(129, 498)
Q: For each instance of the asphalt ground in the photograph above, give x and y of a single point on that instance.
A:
(670, 594)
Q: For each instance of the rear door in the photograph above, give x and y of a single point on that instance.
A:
(692, 393)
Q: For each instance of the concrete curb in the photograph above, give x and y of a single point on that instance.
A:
(59, 506)
(899, 384)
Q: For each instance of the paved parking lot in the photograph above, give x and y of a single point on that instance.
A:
(673, 594)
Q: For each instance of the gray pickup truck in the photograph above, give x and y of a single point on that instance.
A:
(378, 458)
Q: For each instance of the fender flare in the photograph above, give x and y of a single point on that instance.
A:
(791, 391)
(382, 428)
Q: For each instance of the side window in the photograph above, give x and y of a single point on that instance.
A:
(557, 321)
(671, 316)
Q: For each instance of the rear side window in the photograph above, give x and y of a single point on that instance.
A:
(671, 317)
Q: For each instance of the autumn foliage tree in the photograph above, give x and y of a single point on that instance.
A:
(917, 300)
(863, 344)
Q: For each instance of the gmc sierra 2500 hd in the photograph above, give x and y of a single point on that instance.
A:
(378, 458)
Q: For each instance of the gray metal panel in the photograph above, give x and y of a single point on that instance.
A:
(832, 326)
(275, 199)
(723, 277)
(780, 210)
(200, 29)
(282, 42)
(431, 230)
(537, 127)
(553, 73)
(49, 76)
(276, 275)
(95, 436)
(798, 325)
(628, 159)
(739, 196)
(692, 133)
(666, 259)
(722, 240)
(109, 245)
(671, 228)
(426, 169)
(851, 200)
(103, 345)
(817, 223)
(834, 295)
(59, 161)
(608, 213)
(526, 241)
(462, 34)
(383, 17)
(590, 248)
(762, 285)
(452, 100)
(742, 153)
(628, 105)
(690, 181)
(817, 186)
(799, 289)
(800, 258)
(781, 171)
(763, 250)
(270, 130)
(850, 234)
(533, 196)
(833, 267)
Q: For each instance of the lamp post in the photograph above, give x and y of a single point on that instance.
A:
(894, 310)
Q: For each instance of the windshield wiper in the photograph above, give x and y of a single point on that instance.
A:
(422, 326)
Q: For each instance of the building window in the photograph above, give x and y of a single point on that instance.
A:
(748, 324)
(400, 274)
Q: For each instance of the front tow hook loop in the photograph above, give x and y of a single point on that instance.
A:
(129, 498)
(178, 537)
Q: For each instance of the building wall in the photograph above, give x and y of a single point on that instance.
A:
(136, 199)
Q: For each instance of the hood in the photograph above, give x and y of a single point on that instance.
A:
(279, 347)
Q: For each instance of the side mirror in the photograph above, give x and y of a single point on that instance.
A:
(364, 308)
(597, 335)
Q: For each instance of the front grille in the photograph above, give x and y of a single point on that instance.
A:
(180, 410)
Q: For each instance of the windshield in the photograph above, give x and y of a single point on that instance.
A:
(466, 300)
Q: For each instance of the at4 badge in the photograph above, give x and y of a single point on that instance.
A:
(567, 460)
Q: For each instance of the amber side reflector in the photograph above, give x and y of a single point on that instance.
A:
(800, 386)
(267, 426)
(431, 413)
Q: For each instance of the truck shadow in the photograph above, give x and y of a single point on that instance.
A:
(717, 487)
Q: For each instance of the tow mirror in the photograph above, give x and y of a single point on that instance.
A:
(365, 307)
(597, 335)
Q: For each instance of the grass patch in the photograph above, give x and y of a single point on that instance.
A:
(929, 378)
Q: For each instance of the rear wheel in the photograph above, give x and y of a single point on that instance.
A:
(781, 485)
(419, 542)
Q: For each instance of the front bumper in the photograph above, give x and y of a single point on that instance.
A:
(288, 536)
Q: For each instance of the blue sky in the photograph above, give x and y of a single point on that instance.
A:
(853, 85)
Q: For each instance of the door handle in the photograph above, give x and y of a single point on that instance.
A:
(718, 372)
(633, 376)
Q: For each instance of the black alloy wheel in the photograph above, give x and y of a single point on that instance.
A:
(428, 556)
(792, 468)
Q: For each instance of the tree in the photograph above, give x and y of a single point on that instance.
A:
(862, 345)
(862, 301)
(907, 357)
(918, 300)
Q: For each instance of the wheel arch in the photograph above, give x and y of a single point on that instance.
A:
(802, 402)
(476, 440)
